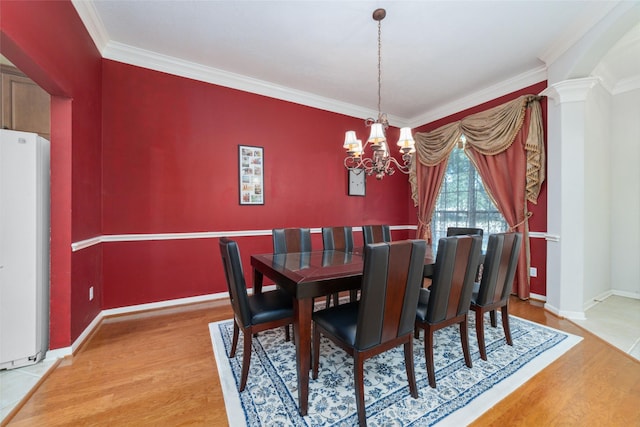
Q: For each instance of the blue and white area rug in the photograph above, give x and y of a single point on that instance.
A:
(462, 394)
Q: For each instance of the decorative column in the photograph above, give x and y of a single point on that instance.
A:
(566, 209)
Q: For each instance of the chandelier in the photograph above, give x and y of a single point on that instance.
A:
(381, 162)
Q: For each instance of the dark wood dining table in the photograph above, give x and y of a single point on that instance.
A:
(306, 275)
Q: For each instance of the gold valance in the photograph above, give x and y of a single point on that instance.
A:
(489, 132)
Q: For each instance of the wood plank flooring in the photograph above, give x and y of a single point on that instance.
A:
(157, 369)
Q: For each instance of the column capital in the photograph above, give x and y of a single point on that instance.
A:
(574, 90)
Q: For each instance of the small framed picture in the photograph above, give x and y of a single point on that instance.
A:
(251, 170)
(356, 182)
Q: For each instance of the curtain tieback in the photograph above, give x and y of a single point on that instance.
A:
(427, 229)
(526, 218)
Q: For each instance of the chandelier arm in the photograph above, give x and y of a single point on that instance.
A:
(405, 168)
(353, 163)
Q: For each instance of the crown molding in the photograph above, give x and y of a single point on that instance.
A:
(92, 22)
(513, 84)
(147, 59)
(626, 85)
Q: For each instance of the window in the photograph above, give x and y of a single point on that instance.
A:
(463, 201)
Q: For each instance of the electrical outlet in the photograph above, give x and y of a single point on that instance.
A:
(90, 293)
(533, 272)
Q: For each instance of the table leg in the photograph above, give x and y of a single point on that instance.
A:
(257, 282)
(302, 310)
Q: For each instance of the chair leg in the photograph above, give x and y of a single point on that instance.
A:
(234, 343)
(464, 337)
(353, 295)
(505, 324)
(287, 337)
(480, 334)
(408, 363)
(316, 352)
(358, 371)
(328, 301)
(336, 299)
(428, 353)
(492, 314)
(246, 358)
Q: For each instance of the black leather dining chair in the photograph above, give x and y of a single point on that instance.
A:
(492, 293)
(376, 233)
(251, 314)
(337, 238)
(340, 239)
(447, 301)
(383, 318)
(286, 240)
(462, 231)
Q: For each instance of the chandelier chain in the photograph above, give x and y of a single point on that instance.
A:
(381, 162)
(379, 67)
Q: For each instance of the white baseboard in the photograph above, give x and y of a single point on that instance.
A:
(626, 294)
(59, 353)
(538, 297)
(577, 315)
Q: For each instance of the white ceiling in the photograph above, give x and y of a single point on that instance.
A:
(436, 55)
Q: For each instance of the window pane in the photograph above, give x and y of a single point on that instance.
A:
(463, 201)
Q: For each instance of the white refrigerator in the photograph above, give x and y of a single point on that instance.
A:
(24, 248)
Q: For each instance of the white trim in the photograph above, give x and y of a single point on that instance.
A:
(626, 294)
(154, 61)
(68, 351)
(58, 353)
(577, 315)
(538, 297)
(82, 244)
(505, 87)
(181, 236)
(164, 304)
(626, 85)
(92, 22)
(603, 296)
(76, 246)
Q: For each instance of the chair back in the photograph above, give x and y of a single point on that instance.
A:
(337, 238)
(499, 269)
(453, 277)
(286, 240)
(376, 234)
(390, 289)
(462, 231)
(235, 280)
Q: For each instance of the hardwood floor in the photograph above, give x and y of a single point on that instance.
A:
(157, 369)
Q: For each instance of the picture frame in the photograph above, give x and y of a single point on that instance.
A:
(357, 182)
(251, 175)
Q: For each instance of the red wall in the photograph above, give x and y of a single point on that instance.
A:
(49, 43)
(538, 221)
(170, 162)
(165, 160)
